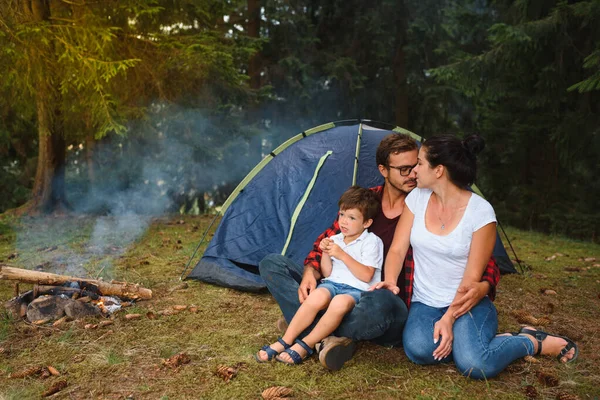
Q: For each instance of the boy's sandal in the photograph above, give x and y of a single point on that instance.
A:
(270, 351)
(297, 358)
(541, 335)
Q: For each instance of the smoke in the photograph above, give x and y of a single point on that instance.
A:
(179, 160)
(176, 161)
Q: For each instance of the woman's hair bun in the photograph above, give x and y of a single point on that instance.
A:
(474, 144)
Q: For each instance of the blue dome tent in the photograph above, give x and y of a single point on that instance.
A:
(291, 197)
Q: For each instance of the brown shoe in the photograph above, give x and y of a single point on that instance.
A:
(282, 325)
(335, 351)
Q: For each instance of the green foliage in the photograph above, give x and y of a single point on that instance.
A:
(540, 165)
(96, 67)
(593, 82)
(524, 74)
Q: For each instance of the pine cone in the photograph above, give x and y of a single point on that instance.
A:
(523, 317)
(26, 372)
(276, 392)
(177, 360)
(531, 392)
(57, 387)
(547, 379)
(566, 396)
(543, 321)
(225, 372)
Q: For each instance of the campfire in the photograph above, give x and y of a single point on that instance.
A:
(54, 297)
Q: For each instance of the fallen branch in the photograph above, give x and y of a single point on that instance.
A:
(121, 289)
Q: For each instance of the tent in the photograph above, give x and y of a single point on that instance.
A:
(291, 197)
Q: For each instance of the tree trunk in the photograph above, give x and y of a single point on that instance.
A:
(254, 62)
(253, 29)
(48, 192)
(401, 100)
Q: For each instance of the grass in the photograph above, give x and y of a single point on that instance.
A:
(230, 326)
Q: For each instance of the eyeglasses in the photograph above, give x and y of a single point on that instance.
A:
(404, 170)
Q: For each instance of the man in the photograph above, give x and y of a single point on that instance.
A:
(380, 315)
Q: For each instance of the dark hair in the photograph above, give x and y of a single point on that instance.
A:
(393, 144)
(458, 156)
(364, 200)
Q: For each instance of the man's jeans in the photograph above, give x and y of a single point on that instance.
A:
(476, 350)
(379, 316)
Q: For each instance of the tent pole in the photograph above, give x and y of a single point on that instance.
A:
(511, 247)
(197, 247)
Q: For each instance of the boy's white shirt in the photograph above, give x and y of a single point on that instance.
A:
(367, 249)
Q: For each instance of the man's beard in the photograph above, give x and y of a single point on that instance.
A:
(400, 189)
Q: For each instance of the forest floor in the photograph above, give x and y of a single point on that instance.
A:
(126, 360)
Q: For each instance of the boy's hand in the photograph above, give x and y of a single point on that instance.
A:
(324, 245)
(335, 251)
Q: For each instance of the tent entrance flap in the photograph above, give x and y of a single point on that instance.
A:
(300, 205)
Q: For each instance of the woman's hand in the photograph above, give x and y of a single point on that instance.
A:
(443, 328)
(386, 285)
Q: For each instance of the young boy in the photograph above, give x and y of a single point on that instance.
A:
(351, 263)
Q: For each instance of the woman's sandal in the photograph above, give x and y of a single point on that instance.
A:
(296, 358)
(270, 352)
(541, 335)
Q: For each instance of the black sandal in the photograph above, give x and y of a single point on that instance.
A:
(541, 335)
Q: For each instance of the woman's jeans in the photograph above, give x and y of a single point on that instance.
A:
(476, 350)
(379, 316)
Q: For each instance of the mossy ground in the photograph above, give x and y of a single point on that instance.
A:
(230, 326)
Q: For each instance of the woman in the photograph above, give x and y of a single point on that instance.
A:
(452, 232)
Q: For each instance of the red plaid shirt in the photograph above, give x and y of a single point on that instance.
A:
(406, 278)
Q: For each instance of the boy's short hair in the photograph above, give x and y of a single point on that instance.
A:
(393, 144)
(364, 200)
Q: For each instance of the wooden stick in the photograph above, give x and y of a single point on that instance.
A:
(121, 289)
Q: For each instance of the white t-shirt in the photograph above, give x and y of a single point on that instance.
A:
(367, 249)
(440, 261)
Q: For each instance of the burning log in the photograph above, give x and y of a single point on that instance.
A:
(121, 289)
(39, 290)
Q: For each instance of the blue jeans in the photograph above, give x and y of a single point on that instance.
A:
(379, 316)
(476, 350)
(336, 288)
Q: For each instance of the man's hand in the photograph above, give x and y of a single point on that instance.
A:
(386, 285)
(308, 283)
(472, 294)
